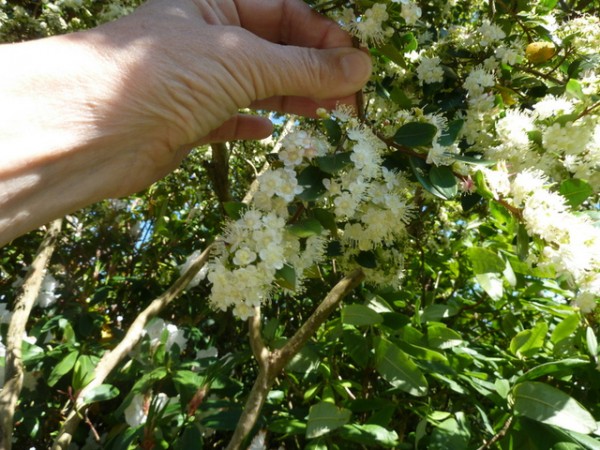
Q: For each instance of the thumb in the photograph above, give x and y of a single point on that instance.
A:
(314, 73)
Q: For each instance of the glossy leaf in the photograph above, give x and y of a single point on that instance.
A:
(415, 134)
(546, 404)
(100, 393)
(576, 191)
(63, 367)
(360, 315)
(369, 434)
(399, 370)
(325, 417)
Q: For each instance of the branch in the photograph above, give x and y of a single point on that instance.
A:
(218, 171)
(281, 357)
(272, 363)
(499, 435)
(111, 359)
(13, 371)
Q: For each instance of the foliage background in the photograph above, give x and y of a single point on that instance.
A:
(443, 361)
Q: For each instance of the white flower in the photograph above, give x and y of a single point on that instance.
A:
(477, 81)
(497, 180)
(551, 106)
(369, 27)
(411, 12)
(430, 71)
(137, 411)
(586, 302)
(5, 314)
(258, 442)
(211, 352)
(47, 297)
(513, 128)
(489, 33)
(244, 256)
(174, 335)
(525, 183)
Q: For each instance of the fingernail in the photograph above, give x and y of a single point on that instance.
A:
(356, 66)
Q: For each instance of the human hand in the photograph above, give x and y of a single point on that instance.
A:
(106, 112)
(191, 65)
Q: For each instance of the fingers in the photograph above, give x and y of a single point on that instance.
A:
(307, 72)
(240, 127)
(290, 22)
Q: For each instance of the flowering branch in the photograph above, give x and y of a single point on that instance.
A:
(111, 359)
(9, 395)
(271, 363)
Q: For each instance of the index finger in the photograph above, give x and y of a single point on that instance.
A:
(290, 22)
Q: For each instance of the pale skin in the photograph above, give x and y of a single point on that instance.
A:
(106, 112)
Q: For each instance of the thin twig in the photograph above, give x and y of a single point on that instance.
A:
(272, 363)
(499, 435)
(111, 359)
(13, 370)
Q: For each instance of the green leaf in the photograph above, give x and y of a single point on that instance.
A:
(451, 434)
(369, 434)
(334, 132)
(546, 404)
(443, 181)
(357, 346)
(528, 342)
(406, 42)
(187, 384)
(306, 228)
(326, 219)
(333, 163)
(449, 135)
(234, 210)
(576, 191)
(482, 187)
(367, 259)
(522, 242)
(360, 315)
(83, 372)
(573, 88)
(484, 260)
(415, 134)
(100, 393)
(592, 342)
(286, 277)
(399, 370)
(325, 417)
(286, 426)
(502, 387)
(435, 313)
(191, 439)
(441, 337)
(398, 96)
(491, 284)
(565, 328)
(63, 367)
(562, 367)
(421, 170)
(311, 179)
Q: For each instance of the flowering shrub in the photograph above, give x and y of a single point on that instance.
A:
(460, 202)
